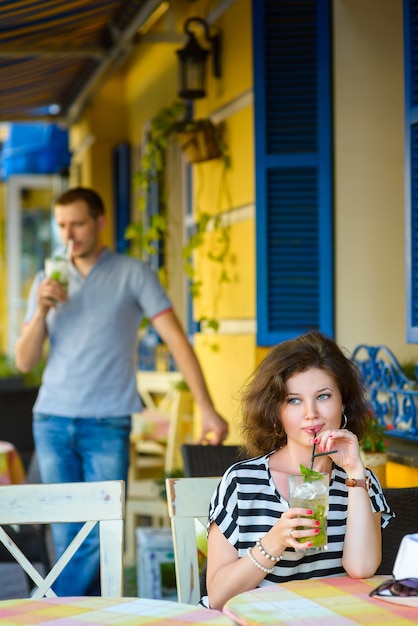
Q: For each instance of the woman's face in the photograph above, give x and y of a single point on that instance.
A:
(313, 404)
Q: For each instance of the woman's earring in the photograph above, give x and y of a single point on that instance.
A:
(345, 420)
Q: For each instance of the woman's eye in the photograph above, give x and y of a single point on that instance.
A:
(293, 400)
(324, 396)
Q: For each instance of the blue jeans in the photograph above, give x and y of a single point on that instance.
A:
(78, 450)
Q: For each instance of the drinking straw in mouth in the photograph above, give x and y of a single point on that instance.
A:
(69, 249)
(313, 455)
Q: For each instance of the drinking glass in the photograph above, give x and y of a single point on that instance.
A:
(58, 268)
(311, 492)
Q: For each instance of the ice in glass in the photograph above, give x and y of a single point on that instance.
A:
(57, 267)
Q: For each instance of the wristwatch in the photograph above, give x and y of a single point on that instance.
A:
(358, 482)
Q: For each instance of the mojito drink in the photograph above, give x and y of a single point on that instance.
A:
(311, 493)
(58, 268)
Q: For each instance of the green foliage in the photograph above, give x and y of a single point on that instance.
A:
(409, 369)
(181, 385)
(8, 369)
(145, 238)
(176, 473)
(374, 437)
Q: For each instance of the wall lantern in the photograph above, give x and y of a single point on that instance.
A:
(192, 59)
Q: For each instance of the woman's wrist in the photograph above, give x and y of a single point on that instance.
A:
(355, 471)
(254, 561)
(267, 555)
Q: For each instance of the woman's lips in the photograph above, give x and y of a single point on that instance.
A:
(313, 430)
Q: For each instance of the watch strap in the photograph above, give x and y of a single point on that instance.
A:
(358, 482)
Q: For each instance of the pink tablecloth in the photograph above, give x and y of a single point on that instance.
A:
(339, 601)
(11, 466)
(115, 611)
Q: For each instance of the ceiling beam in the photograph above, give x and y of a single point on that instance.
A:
(20, 51)
(124, 43)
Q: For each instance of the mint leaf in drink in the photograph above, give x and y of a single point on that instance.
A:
(309, 475)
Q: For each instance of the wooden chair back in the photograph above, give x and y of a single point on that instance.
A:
(151, 459)
(90, 503)
(162, 399)
(188, 507)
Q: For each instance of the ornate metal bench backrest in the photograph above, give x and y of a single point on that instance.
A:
(393, 396)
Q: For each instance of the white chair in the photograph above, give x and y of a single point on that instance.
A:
(150, 460)
(90, 503)
(188, 507)
(165, 402)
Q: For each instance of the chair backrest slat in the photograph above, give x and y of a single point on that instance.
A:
(188, 500)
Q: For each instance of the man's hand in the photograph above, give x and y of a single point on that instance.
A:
(214, 428)
(50, 293)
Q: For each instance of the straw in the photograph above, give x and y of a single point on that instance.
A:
(326, 453)
(314, 456)
(69, 250)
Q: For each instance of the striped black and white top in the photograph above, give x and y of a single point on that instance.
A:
(246, 505)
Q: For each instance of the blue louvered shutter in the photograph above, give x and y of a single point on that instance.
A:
(294, 197)
(411, 167)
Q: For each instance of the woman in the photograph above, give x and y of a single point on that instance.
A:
(305, 391)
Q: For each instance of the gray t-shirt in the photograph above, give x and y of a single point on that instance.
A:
(93, 338)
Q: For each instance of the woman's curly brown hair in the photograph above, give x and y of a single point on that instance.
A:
(265, 393)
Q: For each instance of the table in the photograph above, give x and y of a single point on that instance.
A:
(11, 466)
(99, 610)
(341, 601)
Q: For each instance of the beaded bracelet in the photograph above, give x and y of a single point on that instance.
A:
(266, 570)
(266, 554)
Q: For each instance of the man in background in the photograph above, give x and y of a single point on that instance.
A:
(82, 415)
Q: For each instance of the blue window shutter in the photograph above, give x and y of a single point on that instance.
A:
(121, 159)
(293, 146)
(411, 167)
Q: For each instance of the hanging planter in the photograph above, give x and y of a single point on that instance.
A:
(199, 140)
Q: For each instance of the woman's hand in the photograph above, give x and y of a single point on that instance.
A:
(347, 448)
(229, 575)
(287, 530)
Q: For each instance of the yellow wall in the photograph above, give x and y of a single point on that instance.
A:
(369, 170)
(101, 129)
(234, 361)
(369, 183)
(401, 476)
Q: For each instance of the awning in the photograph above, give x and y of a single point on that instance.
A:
(55, 54)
